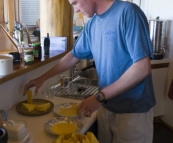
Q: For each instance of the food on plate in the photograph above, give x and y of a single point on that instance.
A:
(43, 107)
(77, 138)
(28, 107)
(29, 97)
(71, 111)
(34, 107)
(64, 128)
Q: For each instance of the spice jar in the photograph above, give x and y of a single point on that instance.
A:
(29, 56)
(37, 51)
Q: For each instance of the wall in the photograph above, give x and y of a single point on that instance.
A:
(154, 8)
(1, 10)
(11, 91)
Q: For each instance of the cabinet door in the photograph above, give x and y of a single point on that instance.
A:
(159, 82)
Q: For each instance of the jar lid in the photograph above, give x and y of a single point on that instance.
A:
(28, 50)
(36, 44)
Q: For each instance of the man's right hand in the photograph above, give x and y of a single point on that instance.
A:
(38, 82)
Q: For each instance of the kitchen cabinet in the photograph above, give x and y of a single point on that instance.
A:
(159, 76)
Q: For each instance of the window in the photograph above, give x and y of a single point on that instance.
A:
(27, 11)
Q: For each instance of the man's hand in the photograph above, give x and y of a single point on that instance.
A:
(35, 82)
(88, 106)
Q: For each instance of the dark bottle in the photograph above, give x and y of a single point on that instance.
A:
(47, 45)
(37, 51)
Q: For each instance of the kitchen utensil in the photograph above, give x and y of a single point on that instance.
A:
(35, 112)
(157, 36)
(6, 64)
(58, 120)
(69, 109)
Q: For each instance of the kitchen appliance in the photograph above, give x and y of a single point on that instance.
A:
(157, 37)
(6, 64)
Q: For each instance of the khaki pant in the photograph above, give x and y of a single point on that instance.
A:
(125, 128)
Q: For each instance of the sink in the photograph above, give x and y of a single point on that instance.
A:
(89, 73)
(86, 81)
(81, 87)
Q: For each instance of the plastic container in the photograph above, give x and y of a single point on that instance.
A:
(37, 51)
(6, 64)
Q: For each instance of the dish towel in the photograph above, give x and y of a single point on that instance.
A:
(170, 93)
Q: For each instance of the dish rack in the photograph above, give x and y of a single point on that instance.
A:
(74, 91)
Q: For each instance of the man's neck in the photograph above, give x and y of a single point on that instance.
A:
(103, 5)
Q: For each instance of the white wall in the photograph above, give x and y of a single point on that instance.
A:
(154, 8)
(11, 91)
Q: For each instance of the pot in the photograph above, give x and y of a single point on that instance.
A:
(6, 64)
(157, 36)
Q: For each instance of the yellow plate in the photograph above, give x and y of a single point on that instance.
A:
(34, 113)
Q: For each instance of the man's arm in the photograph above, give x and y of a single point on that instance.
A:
(135, 74)
(64, 64)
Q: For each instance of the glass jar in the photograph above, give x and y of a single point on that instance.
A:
(37, 51)
(29, 56)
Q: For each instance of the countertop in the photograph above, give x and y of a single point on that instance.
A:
(35, 124)
(165, 60)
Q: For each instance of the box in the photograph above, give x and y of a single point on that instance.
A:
(56, 43)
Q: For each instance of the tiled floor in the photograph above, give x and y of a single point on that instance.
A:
(162, 134)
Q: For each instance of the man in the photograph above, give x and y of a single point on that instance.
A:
(117, 38)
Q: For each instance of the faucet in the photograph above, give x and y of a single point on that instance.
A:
(75, 72)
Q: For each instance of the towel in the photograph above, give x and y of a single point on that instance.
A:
(170, 93)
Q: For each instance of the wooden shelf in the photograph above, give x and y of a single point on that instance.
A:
(8, 45)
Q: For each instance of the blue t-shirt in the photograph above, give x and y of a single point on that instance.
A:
(115, 40)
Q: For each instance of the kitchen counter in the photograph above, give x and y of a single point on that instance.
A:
(165, 60)
(163, 63)
(35, 124)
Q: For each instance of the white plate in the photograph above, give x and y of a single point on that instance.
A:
(57, 108)
(49, 124)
